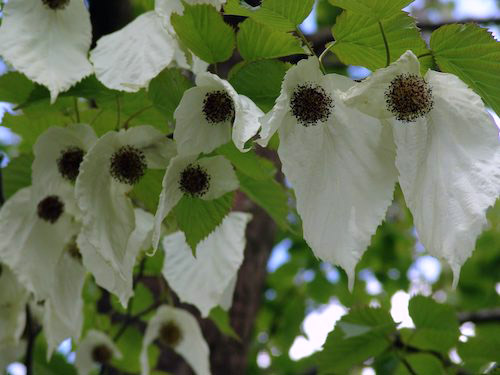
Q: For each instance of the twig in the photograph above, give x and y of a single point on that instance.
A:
(480, 316)
(309, 47)
(31, 332)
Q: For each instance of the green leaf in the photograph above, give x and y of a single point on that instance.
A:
(422, 363)
(29, 127)
(359, 335)
(378, 9)
(148, 189)
(358, 40)
(197, 218)
(130, 347)
(260, 81)
(166, 90)
(257, 41)
(202, 29)
(436, 325)
(15, 87)
(248, 163)
(269, 195)
(283, 15)
(482, 349)
(17, 174)
(471, 53)
(221, 320)
(57, 364)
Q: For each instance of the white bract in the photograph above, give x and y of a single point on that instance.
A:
(48, 41)
(95, 350)
(58, 155)
(448, 152)
(211, 114)
(206, 178)
(179, 330)
(155, 46)
(108, 173)
(13, 299)
(337, 160)
(205, 280)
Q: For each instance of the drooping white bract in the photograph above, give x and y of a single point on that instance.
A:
(180, 331)
(13, 299)
(337, 160)
(206, 178)
(37, 234)
(95, 350)
(129, 58)
(63, 311)
(35, 229)
(48, 41)
(109, 171)
(213, 113)
(58, 154)
(119, 283)
(448, 152)
(203, 280)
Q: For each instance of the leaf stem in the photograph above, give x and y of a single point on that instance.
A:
(387, 51)
(118, 110)
(134, 115)
(77, 112)
(424, 55)
(325, 52)
(309, 47)
(2, 198)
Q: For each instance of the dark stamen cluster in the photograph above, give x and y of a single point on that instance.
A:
(194, 181)
(128, 165)
(170, 334)
(50, 209)
(409, 97)
(69, 162)
(101, 354)
(56, 4)
(218, 107)
(311, 104)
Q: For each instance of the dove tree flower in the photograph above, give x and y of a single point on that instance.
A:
(95, 350)
(155, 46)
(208, 279)
(48, 41)
(211, 114)
(177, 329)
(337, 161)
(448, 152)
(205, 178)
(109, 171)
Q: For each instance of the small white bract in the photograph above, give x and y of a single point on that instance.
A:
(109, 171)
(206, 178)
(337, 161)
(178, 330)
(48, 41)
(209, 279)
(211, 114)
(448, 152)
(94, 350)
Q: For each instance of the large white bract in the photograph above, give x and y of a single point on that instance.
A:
(95, 350)
(337, 160)
(49, 45)
(448, 155)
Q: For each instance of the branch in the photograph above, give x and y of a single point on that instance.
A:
(32, 330)
(480, 316)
